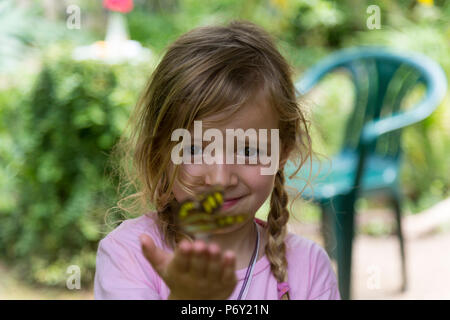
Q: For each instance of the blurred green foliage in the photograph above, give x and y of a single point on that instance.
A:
(59, 118)
(59, 139)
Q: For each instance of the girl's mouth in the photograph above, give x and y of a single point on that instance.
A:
(230, 203)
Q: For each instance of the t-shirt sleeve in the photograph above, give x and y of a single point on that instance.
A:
(323, 285)
(119, 274)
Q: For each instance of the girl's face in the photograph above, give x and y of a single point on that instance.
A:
(245, 188)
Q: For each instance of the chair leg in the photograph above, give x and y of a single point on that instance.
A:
(396, 201)
(344, 228)
(327, 230)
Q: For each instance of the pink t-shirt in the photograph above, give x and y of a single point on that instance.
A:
(122, 271)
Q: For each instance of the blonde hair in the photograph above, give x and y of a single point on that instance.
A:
(206, 71)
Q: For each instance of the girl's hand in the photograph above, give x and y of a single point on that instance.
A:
(194, 271)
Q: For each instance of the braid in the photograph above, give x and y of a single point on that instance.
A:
(169, 230)
(276, 222)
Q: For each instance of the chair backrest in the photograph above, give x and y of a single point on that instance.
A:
(382, 79)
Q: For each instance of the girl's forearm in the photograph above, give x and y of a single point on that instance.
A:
(172, 297)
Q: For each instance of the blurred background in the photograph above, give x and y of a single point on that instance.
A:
(72, 70)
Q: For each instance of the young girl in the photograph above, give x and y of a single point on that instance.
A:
(228, 77)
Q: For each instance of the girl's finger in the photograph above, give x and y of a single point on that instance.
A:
(182, 256)
(198, 259)
(229, 265)
(157, 257)
(215, 265)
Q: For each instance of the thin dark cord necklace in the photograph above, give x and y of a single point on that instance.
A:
(249, 273)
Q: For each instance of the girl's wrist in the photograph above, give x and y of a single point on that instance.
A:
(172, 297)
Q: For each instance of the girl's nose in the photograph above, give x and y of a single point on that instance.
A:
(222, 174)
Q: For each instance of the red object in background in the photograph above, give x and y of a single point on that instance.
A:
(123, 6)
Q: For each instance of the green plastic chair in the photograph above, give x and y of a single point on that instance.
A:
(370, 157)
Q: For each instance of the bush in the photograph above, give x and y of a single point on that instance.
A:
(61, 134)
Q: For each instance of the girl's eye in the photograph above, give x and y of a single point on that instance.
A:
(193, 150)
(249, 152)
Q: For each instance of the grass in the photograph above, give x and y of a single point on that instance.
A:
(13, 288)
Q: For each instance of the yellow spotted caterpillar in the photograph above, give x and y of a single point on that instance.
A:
(202, 215)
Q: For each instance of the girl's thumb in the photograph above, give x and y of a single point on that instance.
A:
(157, 257)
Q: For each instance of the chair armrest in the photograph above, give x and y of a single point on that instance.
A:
(332, 62)
(437, 87)
(431, 75)
(315, 74)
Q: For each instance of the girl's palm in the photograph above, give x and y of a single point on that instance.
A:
(194, 271)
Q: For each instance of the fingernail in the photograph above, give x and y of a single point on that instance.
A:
(214, 249)
(143, 239)
(199, 246)
(229, 256)
(184, 246)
